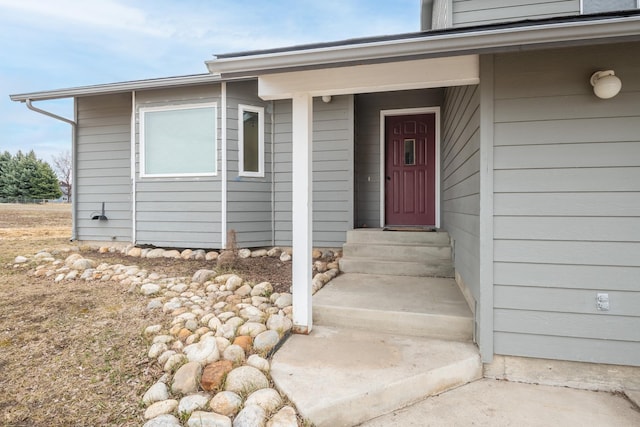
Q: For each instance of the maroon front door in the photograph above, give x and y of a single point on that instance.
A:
(410, 170)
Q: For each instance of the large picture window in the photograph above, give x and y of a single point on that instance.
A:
(250, 141)
(178, 140)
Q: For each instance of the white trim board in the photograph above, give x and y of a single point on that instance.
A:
(403, 112)
(392, 76)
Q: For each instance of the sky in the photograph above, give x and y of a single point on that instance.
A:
(54, 44)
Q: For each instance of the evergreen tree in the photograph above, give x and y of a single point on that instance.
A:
(25, 177)
(45, 184)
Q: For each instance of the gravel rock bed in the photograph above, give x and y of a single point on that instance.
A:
(215, 346)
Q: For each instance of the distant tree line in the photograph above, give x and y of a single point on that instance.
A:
(25, 177)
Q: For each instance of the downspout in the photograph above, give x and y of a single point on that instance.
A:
(223, 137)
(273, 173)
(74, 127)
(133, 168)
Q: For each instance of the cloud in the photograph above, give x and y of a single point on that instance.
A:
(49, 44)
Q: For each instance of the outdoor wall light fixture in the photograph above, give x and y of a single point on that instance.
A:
(605, 84)
(326, 99)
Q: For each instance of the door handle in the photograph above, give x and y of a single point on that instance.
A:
(388, 178)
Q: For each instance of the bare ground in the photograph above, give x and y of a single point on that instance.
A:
(74, 353)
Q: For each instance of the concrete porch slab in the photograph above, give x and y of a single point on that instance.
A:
(502, 403)
(342, 377)
(417, 306)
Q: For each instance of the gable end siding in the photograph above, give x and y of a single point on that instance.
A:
(567, 206)
(480, 12)
(103, 174)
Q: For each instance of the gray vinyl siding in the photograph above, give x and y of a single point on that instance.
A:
(103, 159)
(332, 171)
(367, 149)
(460, 180)
(183, 212)
(249, 200)
(567, 206)
(479, 12)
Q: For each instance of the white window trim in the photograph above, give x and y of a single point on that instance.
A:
(582, 6)
(260, 110)
(143, 110)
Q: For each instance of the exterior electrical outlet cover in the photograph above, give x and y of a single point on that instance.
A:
(602, 302)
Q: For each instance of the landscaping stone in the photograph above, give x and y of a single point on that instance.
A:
(157, 349)
(244, 253)
(203, 275)
(191, 403)
(284, 300)
(234, 353)
(165, 420)
(149, 289)
(285, 417)
(213, 375)
(265, 341)
(250, 416)
(155, 253)
(262, 289)
(233, 282)
(267, 398)
(208, 419)
(226, 403)
(20, 259)
(186, 378)
(259, 253)
(252, 329)
(245, 379)
(206, 351)
(211, 256)
(210, 316)
(284, 257)
(259, 362)
(156, 393)
(160, 408)
(244, 341)
(279, 323)
(174, 361)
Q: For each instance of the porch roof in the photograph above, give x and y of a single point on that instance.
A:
(491, 38)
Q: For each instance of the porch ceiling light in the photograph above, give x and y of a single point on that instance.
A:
(605, 84)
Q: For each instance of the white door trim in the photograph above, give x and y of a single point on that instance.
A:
(404, 112)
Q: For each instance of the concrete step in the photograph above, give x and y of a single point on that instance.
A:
(427, 268)
(357, 375)
(413, 306)
(377, 235)
(397, 252)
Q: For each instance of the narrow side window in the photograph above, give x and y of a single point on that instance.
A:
(250, 141)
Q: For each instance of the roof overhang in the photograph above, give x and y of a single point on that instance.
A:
(121, 87)
(519, 36)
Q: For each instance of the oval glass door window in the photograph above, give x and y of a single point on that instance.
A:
(409, 151)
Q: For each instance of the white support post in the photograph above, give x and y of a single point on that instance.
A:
(302, 211)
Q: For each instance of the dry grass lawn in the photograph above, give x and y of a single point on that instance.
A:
(71, 354)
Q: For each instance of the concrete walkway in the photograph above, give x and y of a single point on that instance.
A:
(501, 403)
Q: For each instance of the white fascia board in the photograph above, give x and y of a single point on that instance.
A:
(429, 45)
(119, 87)
(406, 75)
